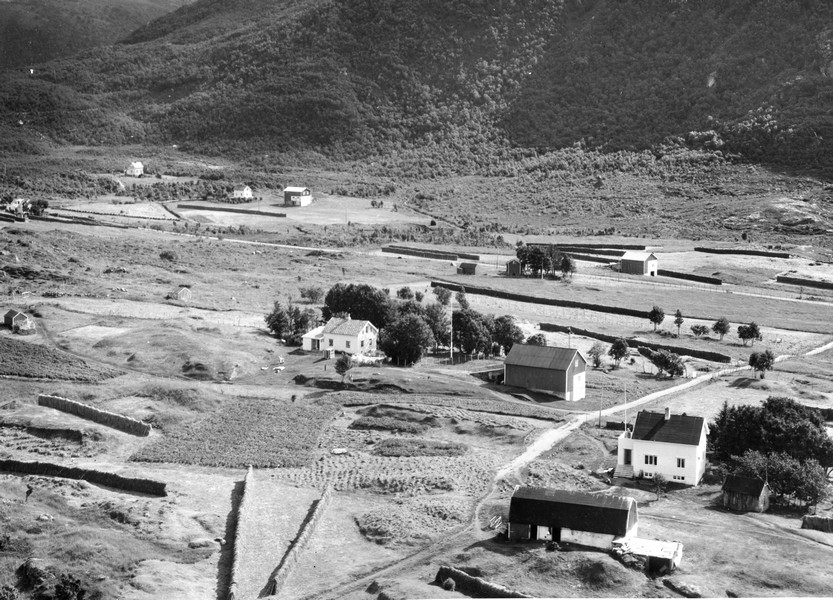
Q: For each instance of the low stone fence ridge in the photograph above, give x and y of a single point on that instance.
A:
(111, 480)
(91, 413)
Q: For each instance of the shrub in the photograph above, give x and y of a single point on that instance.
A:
(449, 585)
(168, 255)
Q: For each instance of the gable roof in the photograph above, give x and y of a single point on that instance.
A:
(600, 513)
(241, 187)
(640, 256)
(751, 486)
(542, 357)
(678, 429)
(318, 332)
(13, 314)
(338, 326)
(512, 260)
(137, 165)
(299, 190)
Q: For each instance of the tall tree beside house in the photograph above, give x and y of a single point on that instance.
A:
(761, 362)
(656, 316)
(361, 302)
(343, 365)
(619, 350)
(472, 332)
(461, 299)
(290, 323)
(749, 332)
(778, 425)
(406, 339)
(597, 350)
(278, 321)
(721, 327)
(538, 339)
(507, 333)
(678, 321)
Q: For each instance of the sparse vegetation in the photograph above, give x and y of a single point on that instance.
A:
(25, 359)
(418, 447)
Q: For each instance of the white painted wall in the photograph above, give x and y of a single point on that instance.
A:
(667, 455)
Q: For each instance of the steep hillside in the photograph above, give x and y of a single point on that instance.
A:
(434, 87)
(34, 31)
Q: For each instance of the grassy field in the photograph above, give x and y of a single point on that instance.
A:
(693, 302)
(245, 432)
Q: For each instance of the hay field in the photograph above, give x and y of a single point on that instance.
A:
(25, 359)
(243, 432)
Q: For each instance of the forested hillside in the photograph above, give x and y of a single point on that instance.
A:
(449, 85)
(34, 31)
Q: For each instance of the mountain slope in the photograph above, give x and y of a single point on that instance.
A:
(456, 82)
(34, 31)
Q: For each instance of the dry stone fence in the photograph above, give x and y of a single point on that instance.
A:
(474, 586)
(91, 413)
(111, 480)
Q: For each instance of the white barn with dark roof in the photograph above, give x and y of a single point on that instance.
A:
(638, 263)
(594, 520)
(673, 445)
(546, 369)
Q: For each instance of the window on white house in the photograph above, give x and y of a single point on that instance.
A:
(348, 344)
(679, 477)
(681, 463)
(331, 342)
(650, 460)
(362, 342)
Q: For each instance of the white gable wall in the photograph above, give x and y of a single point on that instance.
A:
(362, 343)
(667, 455)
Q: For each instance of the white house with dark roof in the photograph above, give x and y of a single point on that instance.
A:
(546, 369)
(297, 196)
(136, 169)
(673, 445)
(241, 191)
(594, 520)
(638, 263)
(342, 335)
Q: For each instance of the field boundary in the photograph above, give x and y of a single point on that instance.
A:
(241, 510)
(814, 283)
(474, 586)
(91, 413)
(742, 251)
(292, 556)
(689, 277)
(111, 480)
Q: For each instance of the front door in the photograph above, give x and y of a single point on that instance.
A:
(627, 457)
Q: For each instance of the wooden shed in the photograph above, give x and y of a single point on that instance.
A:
(297, 196)
(594, 520)
(546, 369)
(467, 268)
(745, 494)
(638, 263)
(19, 322)
(513, 268)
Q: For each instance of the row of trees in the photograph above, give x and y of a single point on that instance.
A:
(545, 260)
(721, 327)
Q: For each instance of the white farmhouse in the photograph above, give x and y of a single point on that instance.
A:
(342, 335)
(673, 445)
(241, 191)
(136, 169)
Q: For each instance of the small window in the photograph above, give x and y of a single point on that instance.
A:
(681, 463)
(348, 344)
(679, 477)
(331, 341)
(650, 460)
(362, 343)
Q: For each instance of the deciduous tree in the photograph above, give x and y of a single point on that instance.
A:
(761, 362)
(538, 339)
(597, 350)
(443, 295)
(678, 321)
(749, 332)
(656, 316)
(343, 365)
(619, 350)
(406, 339)
(507, 333)
(721, 327)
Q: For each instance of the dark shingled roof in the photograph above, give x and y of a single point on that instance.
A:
(597, 513)
(339, 326)
(751, 486)
(679, 429)
(542, 357)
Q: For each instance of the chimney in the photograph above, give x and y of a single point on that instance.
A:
(667, 413)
